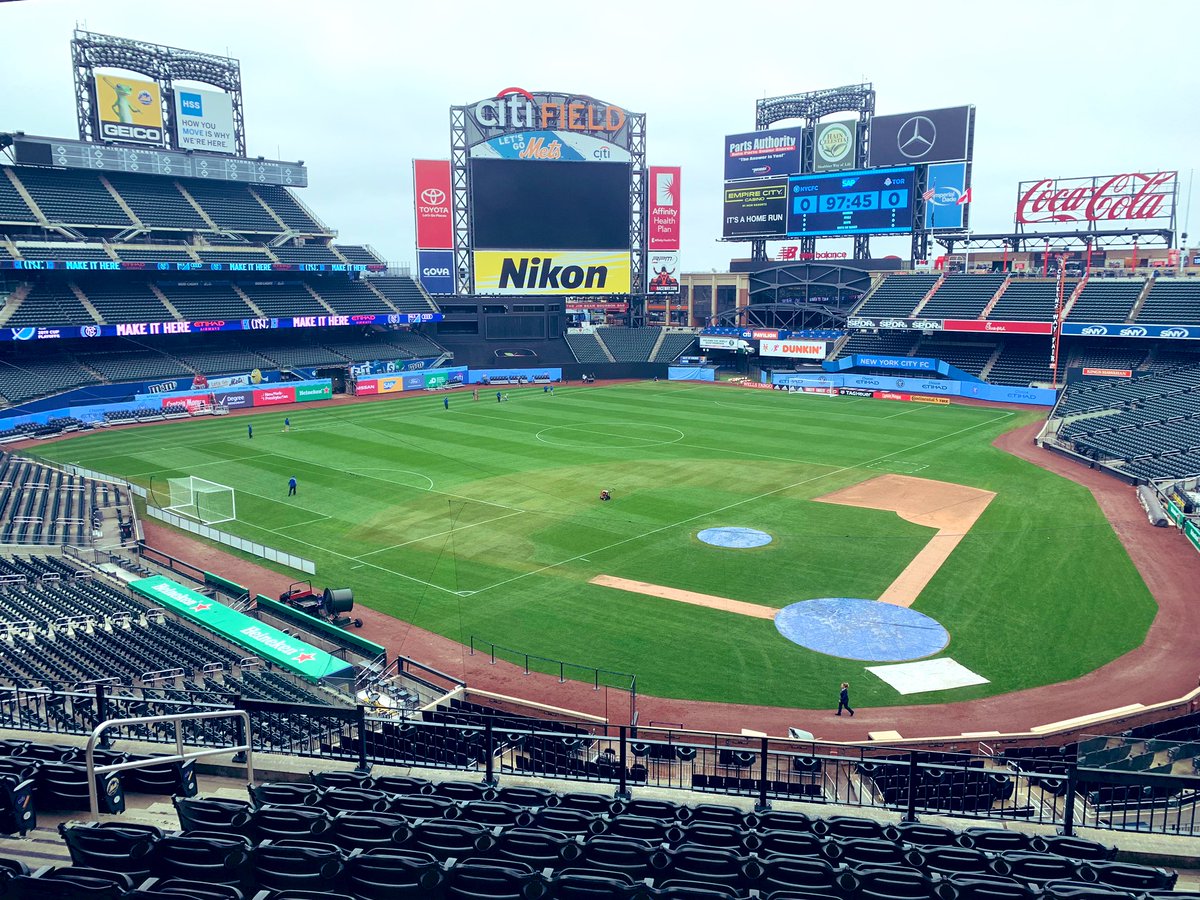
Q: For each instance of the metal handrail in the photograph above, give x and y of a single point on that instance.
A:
(180, 756)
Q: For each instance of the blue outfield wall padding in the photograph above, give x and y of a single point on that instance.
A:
(866, 630)
(691, 373)
(996, 393)
(735, 538)
(476, 376)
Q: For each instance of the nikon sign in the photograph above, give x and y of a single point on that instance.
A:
(551, 272)
(833, 146)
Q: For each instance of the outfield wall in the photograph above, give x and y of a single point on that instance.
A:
(691, 373)
(995, 393)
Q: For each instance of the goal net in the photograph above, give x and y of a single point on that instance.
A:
(204, 501)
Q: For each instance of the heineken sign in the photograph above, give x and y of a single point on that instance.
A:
(246, 631)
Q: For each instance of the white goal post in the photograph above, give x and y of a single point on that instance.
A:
(202, 500)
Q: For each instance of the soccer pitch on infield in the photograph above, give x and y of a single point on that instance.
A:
(484, 520)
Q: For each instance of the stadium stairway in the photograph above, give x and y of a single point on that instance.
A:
(85, 302)
(246, 299)
(13, 302)
(987, 310)
(929, 295)
(324, 303)
(157, 291)
(1141, 301)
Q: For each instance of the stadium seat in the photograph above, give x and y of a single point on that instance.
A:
(984, 887)
(813, 877)
(1038, 868)
(112, 846)
(69, 883)
(385, 873)
(283, 822)
(284, 793)
(297, 865)
(202, 858)
(213, 814)
(449, 840)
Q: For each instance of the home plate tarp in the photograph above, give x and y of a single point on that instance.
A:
(245, 631)
(941, 674)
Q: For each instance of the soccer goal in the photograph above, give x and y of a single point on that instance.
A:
(204, 501)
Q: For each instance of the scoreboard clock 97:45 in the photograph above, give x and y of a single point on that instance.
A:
(871, 201)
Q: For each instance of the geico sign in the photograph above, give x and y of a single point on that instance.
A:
(517, 109)
(116, 132)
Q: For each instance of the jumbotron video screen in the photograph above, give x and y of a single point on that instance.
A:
(517, 204)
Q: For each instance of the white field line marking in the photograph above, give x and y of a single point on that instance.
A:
(320, 518)
(438, 534)
(779, 490)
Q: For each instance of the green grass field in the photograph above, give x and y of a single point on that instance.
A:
(483, 521)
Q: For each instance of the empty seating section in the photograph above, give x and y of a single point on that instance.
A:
(287, 208)
(1172, 302)
(309, 355)
(970, 356)
(59, 251)
(1022, 362)
(1160, 359)
(224, 361)
(414, 344)
(962, 296)
(674, 345)
(124, 301)
(134, 366)
(897, 296)
(197, 302)
(353, 836)
(363, 349)
(586, 348)
(13, 207)
(70, 197)
(629, 344)
(1110, 356)
(283, 299)
(1029, 301)
(351, 297)
(232, 206)
(1149, 426)
(893, 343)
(402, 292)
(362, 256)
(254, 256)
(23, 378)
(1106, 301)
(43, 505)
(154, 254)
(311, 253)
(157, 202)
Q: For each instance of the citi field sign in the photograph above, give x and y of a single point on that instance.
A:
(515, 109)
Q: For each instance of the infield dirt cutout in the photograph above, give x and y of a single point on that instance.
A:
(950, 508)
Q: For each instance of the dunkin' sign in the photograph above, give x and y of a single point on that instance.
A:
(1129, 197)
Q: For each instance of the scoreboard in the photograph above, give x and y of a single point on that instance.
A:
(874, 201)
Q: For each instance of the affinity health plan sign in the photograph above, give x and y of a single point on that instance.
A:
(245, 631)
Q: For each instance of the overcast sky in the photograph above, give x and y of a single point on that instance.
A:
(358, 88)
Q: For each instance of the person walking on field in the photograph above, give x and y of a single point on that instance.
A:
(249, 431)
(287, 424)
(844, 699)
(292, 486)
(446, 402)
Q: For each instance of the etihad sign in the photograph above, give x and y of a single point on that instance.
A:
(516, 109)
(1132, 196)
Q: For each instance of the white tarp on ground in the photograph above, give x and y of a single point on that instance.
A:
(940, 674)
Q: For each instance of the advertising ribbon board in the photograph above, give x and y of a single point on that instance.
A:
(245, 631)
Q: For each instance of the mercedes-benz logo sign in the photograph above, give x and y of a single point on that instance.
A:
(916, 136)
(433, 196)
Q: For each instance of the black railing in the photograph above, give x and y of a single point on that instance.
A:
(914, 783)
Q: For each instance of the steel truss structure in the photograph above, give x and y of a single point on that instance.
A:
(801, 295)
(460, 189)
(811, 107)
(165, 65)
(1019, 241)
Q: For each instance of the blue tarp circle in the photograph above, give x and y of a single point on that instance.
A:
(737, 538)
(861, 629)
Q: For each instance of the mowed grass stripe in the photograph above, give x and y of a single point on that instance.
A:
(1040, 569)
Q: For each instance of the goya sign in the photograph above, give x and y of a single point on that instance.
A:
(245, 631)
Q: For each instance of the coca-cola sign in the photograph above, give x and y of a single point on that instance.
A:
(1129, 197)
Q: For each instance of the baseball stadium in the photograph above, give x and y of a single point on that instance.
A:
(548, 568)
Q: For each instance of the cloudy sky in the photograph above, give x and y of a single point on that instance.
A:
(359, 88)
